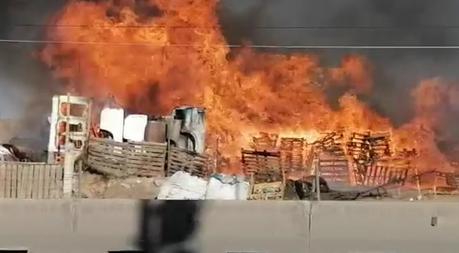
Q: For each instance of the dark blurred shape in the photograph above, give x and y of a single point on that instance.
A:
(168, 226)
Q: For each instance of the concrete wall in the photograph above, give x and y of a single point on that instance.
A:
(228, 226)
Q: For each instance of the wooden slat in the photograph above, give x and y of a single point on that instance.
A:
(8, 181)
(40, 182)
(46, 182)
(60, 182)
(19, 170)
(52, 182)
(29, 186)
(35, 182)
(14, 180)
(2, 181)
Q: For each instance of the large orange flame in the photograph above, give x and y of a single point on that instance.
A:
(154, 63)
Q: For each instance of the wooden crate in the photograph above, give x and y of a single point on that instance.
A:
(187, 161)
(334, 168)
(31, 180)
(261, 164)
(265, 142)
(267, 191)
(293, 153)
(127, 159)
(267, 178)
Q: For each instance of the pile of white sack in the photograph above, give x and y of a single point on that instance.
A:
(183, 186)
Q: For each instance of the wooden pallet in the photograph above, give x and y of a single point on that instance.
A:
(334, 168)
(267, 191)
(187, 161)
(127, 159)
(267, 178)
(31, 180)
(265, 142)
(292, 152)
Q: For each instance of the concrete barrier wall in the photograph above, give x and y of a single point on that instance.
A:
(388, 227)
(228, 226)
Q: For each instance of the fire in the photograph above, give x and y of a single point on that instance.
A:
(167, 53)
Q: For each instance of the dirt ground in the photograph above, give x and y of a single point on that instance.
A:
(96, 186)
(100, 187)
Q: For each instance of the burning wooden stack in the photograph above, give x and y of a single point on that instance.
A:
(265, 142)
(332, 160)
(292, 152)
(374, 161)
(267, 178)
(365, 148)
(332, 142)
(263, 165)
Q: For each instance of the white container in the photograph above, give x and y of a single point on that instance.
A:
(134, 127)
(112, 120)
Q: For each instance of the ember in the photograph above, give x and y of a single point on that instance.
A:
(181, 57)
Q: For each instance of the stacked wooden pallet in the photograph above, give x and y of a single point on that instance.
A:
(334, 168)
(380, 144)
(331, 142)
(366, 147)
(383, 172)
(265, 141)
(358, 147)
(264, 166)
(184, 160)
(267, 178)
(292, 152)
(385, 169)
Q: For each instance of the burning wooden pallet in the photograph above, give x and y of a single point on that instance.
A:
(332, 142)
(292, 152)
(266, 175)
(370, 153)
(334, 168)
(438, 182)
(386, 170)
(367, 147)
(264, 142)
(332, 160)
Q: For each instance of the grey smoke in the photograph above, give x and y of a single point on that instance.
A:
(25, 84)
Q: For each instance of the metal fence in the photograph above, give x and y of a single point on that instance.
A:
(31, 180)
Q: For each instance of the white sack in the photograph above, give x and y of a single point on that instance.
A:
(183, 186)
(216, 189)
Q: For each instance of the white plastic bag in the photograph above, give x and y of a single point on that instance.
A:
(224, 190)
(183, 186)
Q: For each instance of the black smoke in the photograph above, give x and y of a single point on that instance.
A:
(363, 23)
